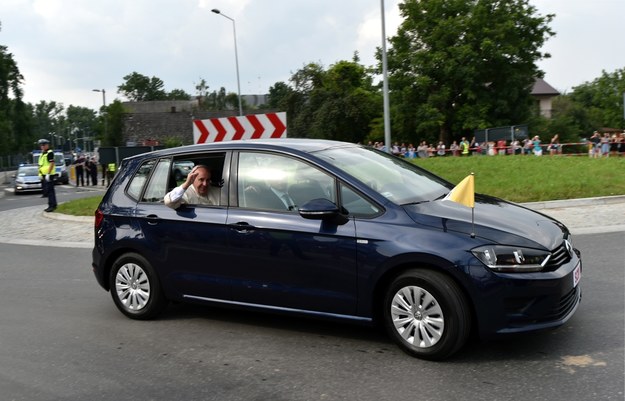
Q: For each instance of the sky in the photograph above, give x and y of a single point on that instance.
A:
(66, 48)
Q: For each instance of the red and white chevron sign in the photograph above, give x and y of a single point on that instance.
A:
(252, 126)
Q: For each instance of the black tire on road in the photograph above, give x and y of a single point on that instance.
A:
(427, 314)
(135, 287)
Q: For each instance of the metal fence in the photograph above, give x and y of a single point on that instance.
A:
(10, 162)
(8, 165)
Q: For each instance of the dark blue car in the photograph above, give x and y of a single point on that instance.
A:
(363, 236)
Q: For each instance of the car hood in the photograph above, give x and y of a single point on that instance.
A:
(496, 221)
(28, 178)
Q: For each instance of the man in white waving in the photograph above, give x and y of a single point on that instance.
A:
(196, 190)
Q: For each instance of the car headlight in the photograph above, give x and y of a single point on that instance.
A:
(512, 259)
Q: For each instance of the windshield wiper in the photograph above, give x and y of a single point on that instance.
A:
(415, 203)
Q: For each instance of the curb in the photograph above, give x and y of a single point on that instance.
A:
(67, 217)
(57, 244)
(601, 200)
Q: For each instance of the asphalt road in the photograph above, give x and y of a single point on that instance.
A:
(64, 193)
(61, 338)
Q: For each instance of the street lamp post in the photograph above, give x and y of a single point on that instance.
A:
(236, 55)
(104, 111)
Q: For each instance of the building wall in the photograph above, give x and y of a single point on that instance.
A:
(153, 123)
(545, 106)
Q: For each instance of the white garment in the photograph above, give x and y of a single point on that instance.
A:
(178, 196)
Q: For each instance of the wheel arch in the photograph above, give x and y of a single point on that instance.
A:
(112, 257)
(425, 262)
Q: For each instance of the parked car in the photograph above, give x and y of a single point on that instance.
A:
(27, 179)
(182, 169)
(368, 238)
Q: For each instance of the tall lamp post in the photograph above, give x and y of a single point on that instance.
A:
(236, 55)
(104, 108)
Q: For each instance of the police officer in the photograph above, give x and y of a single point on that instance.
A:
(110, 173)
(47, 173)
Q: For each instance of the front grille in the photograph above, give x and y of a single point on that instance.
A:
(523, 311)
(564, 307)
(559, 256)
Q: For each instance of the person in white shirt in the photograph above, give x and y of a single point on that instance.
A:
(196, 190)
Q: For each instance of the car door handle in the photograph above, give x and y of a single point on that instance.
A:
(242, 227)
(152, 219)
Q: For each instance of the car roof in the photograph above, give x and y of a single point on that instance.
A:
(289, 144)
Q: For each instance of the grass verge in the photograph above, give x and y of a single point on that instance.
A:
(533, 179)
(80, 207)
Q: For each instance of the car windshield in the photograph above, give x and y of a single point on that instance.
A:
(27, 171)
(397, 180)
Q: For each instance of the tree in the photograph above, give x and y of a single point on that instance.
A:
(458, 65)
(201, 89)
(279, 95)
(115, 124)
(140, 88)
(12, 122)
(347, 103)
(178, 94)
(338, 104)
(82, 122)
(601, 101)
(45, 119)
(216, 100)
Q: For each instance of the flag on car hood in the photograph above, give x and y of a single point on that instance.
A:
(464, 192)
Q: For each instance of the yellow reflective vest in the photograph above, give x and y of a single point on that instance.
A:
(44, 164)
(465, 147)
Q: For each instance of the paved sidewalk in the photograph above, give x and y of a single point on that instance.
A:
(28, 225)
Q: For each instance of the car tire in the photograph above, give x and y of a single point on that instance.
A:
(135, 287)
(426, 314)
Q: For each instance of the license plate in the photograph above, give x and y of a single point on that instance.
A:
(577, 275)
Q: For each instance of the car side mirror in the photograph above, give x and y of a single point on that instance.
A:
(325, 210)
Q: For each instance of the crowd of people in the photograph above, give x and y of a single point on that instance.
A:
(599, 145)
(86, 167)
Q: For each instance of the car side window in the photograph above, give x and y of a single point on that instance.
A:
(157, 187)
(213, 161)
(356, 204)
(138, 181)
(275, 182)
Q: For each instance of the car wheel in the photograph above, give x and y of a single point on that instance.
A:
(426, 314)
(135, 287)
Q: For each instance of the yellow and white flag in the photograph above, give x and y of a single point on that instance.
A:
(464, 192)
